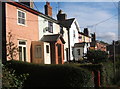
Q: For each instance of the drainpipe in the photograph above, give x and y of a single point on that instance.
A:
(3, 30)
(68, 44)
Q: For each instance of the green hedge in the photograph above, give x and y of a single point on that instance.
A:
(51, 75)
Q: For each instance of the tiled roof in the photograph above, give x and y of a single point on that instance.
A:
(79, 44)
(67, 23)
(52, 38)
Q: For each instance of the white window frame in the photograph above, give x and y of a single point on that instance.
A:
(18, 17)
(22, 48)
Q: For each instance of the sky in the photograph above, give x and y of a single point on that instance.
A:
(87, 14)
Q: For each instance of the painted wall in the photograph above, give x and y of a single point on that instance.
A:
(65, 37)
(83, 38)
(83, 51)
(29, 32)
(43, 24)
(73, 38)
(78, 57)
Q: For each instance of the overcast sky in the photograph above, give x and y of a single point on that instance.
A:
(88, 14)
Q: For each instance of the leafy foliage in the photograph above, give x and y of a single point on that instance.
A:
(12, 49)
(10, 79)
(96, 56)
(52, 75)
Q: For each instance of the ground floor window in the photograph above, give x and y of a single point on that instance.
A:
(47, 48)
(22, 50)
(78, 51)
(38, 51)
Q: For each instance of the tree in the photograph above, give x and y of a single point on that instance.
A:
(12, 49)
(97, 56)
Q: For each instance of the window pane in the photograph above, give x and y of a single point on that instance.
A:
(24, 50)
(19, 20)
(38, 52)
(23, 21)
(23, 15)
(20, 53)
(47, 48)
(50, 27)
(22, 42)
(19, 14)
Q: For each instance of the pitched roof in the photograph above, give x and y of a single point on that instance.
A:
(84, 34)
(32, 10)
(79, 44)
(67, 23)
(52, 38)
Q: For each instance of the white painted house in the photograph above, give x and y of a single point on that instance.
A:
(72, 29)
(80, 50)
(50, 26)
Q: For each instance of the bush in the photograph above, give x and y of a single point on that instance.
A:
(96, 56)
(51, 75)
(9, 78)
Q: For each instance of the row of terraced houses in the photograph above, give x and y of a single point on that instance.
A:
(41, 38)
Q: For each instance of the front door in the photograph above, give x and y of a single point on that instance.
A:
(59, 54)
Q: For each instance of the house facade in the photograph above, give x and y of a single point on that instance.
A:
(72, 32)
(80, 49)
(83, 46)
(49, 26)
(22, 22)
(97, 45)
(28, 27)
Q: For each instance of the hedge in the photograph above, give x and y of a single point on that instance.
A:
(51, 75)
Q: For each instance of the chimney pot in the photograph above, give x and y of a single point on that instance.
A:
(48, 9)
(61, 16)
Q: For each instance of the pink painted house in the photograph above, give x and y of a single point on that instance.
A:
(25, 25)
(22, 22)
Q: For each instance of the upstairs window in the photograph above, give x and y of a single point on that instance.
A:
(21, 17)
(50, 27)
(74, 33)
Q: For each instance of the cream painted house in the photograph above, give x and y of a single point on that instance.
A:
(49, 26)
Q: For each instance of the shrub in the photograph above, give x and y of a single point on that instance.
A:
(51, 75)
(10, 79)
(96, 56)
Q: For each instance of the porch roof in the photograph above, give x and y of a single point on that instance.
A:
(52, 38)
(79, 44)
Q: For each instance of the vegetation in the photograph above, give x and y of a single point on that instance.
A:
(10, 79)
(12, 49)
(51, 75)
(96, 56)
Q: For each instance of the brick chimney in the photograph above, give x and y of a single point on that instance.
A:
(29, 3)
(86, 32)
(93, 37)
(48, 9)
(61, 16)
